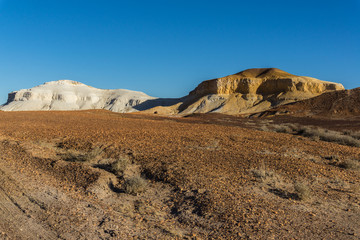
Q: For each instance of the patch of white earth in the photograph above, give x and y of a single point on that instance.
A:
(72, 95)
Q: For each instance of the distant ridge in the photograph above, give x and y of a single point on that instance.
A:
(249, 91)
(73, 95)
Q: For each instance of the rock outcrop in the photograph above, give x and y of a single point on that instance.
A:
(71, 95)
(253, 90)
(339, 104)
(264, 81)
(249, 91)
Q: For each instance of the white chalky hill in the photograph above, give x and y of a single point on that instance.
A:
(72, 95)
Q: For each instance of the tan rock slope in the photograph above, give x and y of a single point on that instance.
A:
(345, 103)
(253, 90)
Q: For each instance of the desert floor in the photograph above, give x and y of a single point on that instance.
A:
(207, 177)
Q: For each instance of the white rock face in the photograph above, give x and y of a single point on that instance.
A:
(72, 95)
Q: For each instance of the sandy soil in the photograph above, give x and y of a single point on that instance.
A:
(211, 177)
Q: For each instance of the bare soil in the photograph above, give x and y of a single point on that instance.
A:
(208, 177)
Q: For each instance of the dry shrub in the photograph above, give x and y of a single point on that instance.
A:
(302, 190)
(75, 156)
(283, 129)
(267, 177)
(350, 164)
(348, 138)
(135, 185)
(329, 136)
(265, 128)
(120, 165)
(354, 134)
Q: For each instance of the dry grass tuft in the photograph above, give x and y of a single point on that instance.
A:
(283, 128)
(267, 177)
(120, 165)
(350, 164)
(135, 185)
(75, 156)
(302, 190)
(316, 133)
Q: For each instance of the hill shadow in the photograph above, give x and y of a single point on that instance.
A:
(163, 102)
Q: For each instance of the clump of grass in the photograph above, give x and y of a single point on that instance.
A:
(135, 185)
(120, 165)
(329, 136)
(348, 138)
(259, 173)
(302, 190)
(283, 129)
(354, 134)
(267, 177)
(74, 156)
(350, 164)
(265, 128)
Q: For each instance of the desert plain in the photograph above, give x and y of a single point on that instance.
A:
(203, 176)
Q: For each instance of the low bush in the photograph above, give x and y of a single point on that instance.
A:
(329, 136)
(350, 164)
(348, 138)
(135, 185)
(120, 165)
(283, 129)
(75, 156)
(267, 177)
(302, 191)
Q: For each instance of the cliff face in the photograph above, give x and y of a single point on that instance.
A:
(264, 81)
(253, 90)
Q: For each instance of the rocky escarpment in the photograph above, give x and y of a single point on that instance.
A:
(72, 95)
(253, 90)
(264, 81)
(249, 91)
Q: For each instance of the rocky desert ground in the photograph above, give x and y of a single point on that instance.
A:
(96, 174)
(284, 163)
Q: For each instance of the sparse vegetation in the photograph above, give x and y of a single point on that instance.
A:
(265, 128)
(75, 156)
(302, 190)
(350, 164)
(135, 185)
(284, 128)
(267, 177)
(120, 165)
(316, 133)
(354, 134)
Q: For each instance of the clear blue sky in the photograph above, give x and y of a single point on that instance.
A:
(165, 48)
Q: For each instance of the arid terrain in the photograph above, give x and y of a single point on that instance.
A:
(97, 174)
(249, 91)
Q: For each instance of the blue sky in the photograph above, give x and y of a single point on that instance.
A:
(166, 48)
